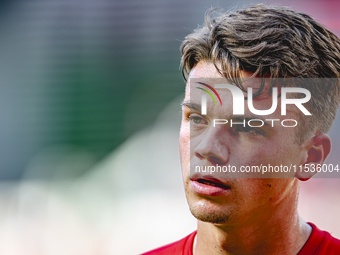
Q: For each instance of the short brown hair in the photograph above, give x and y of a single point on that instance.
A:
(275, 42)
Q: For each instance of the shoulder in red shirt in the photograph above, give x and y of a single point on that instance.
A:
(319, 243)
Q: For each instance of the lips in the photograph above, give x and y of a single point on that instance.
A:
(209, 186)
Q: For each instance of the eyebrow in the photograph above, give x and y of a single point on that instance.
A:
(193, 106)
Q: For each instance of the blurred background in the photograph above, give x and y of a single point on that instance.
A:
(90, 114)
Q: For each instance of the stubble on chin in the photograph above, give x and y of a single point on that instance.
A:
(210, 217)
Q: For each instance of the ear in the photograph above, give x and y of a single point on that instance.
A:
(317, 150)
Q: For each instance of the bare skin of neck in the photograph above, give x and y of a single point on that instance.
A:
(280, 231)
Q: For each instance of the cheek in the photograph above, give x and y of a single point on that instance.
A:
(271, 151)
(184, 149)
(252, 153)
(263, 192)
(184, 142)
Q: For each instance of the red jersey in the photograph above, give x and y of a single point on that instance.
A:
(319, 243)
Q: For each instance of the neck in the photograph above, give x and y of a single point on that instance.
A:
(278, 231)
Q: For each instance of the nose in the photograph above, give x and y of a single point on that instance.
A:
(214, 146)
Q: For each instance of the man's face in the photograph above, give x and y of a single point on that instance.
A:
(234, 200)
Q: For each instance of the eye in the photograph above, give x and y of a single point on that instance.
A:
(248, 130)
(197, 119)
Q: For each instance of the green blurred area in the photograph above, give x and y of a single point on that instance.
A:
(83, 76)
(80, 77)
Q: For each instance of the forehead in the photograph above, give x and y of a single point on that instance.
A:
(206, 71)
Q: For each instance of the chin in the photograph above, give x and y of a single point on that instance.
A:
(215, 218)
(207, 214)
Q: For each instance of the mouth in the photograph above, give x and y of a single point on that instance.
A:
(211, 182)
(209, 186)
